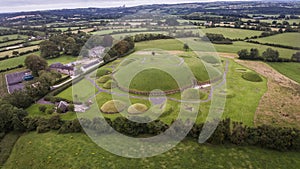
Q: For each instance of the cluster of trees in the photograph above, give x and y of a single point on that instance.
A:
(278, 138)
(69, 44)
(270, 55)
(119, 49)
(11, 117)
(216, 38)
(149, 36)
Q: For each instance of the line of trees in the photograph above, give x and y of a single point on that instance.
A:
(269, 55)
(216, 38)
(278, 138)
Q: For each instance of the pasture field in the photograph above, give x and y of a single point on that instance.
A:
(78, 151)
(13, 62)
(237, 46)
(232, 33)
(288, 39)
(14, 36)
(241, 106)
(109, 31)
(166, 44)
(11, 43)
(66, 28)
(291, 70)
(9, 52)
(290, 21)
(64, 59)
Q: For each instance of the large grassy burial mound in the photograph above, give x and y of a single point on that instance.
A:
(151, 79)
(143, 72)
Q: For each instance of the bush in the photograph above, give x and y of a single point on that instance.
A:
(43, 108)
(252, 77)
(50, 111)
(43, 126)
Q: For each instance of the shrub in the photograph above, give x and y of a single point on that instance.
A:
(137, 108)
(43, 126)
(50, 111)
(251, 76)
(43, 108)
(112, 107)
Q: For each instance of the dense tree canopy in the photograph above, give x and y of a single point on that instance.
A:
(35, 64)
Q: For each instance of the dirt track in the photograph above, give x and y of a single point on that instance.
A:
(280, 105)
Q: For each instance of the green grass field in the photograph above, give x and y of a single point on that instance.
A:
(33, 111)
(68, 93)
(64, 59)
(288, 39)
(10, 43)
(290, 70)
(9, 53)
(232, 33)
(51, 150)
(166, 44)
(14, 36)
(12, 62)
(291, 21)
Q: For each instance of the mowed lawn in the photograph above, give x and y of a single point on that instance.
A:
(288, 39)
(237, 46)
(232, 33)
(83, 89)
(64, 59)
(51, 150)
(166, 44)
(246, 95)
(291, 70)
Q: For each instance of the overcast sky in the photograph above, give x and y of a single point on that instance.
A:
(33, 5)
